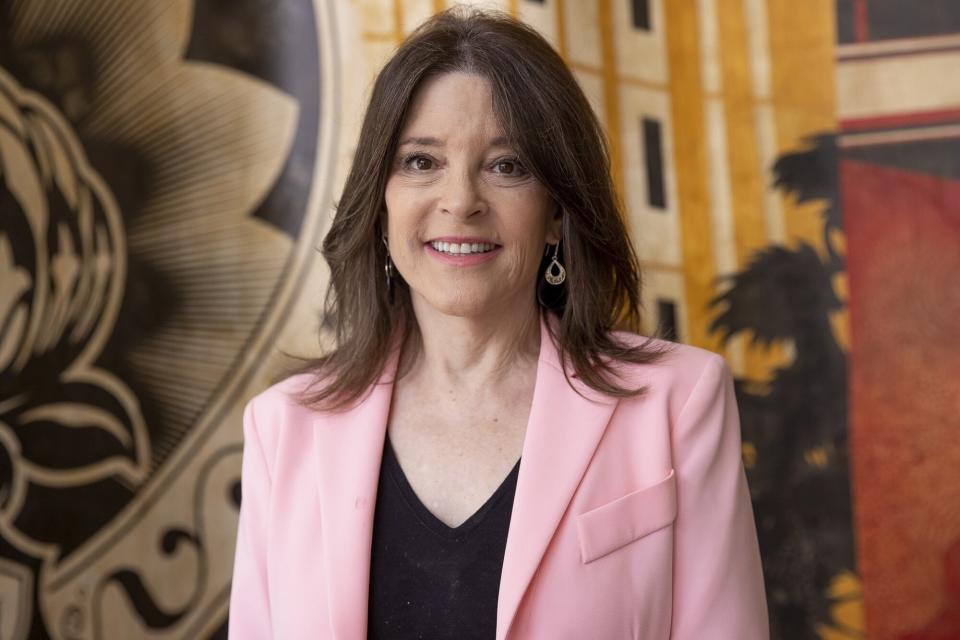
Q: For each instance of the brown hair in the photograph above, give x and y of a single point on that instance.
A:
(549, 121)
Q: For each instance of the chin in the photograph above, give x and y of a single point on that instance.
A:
(460, 308)
(459, 303)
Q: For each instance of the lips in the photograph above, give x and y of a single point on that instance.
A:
(462, 250)
(462, 245)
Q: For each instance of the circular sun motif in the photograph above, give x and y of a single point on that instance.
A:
(162, 170)
(63, 263)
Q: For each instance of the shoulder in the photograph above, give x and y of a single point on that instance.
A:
(278, 409)
(283, 393)
(677, 361)
(678, 372)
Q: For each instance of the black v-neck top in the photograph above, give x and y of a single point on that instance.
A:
(428, 580)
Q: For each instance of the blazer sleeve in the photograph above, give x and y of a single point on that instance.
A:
(249, 616)
(718, 590)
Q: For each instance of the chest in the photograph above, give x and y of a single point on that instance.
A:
(623, 591)
(455, 455)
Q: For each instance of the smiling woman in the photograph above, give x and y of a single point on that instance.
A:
(467, 223)
(490, 449)
(472, 87)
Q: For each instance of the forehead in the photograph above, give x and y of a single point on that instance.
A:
(451, 106)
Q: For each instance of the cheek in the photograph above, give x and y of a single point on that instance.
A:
(403, 219)
(530, 232)
(523, 258)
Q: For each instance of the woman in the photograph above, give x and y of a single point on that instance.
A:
(486, 451)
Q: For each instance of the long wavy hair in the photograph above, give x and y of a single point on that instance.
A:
(548, 120)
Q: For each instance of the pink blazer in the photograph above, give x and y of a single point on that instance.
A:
(631, 518)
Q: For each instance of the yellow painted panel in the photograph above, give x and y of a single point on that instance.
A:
(693, 197)
(611, 92)
(745, 170)
(803, 93)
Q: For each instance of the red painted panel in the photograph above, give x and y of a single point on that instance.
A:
(903, 236)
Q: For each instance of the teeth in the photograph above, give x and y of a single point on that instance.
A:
(461, 248)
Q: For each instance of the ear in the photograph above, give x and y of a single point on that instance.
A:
(383, 221)
(555, 226)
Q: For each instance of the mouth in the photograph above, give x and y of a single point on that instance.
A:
(462, 248)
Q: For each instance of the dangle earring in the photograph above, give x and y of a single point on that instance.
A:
(555, 273)
(388, 270)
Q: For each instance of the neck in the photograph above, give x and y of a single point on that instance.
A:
(475, 352)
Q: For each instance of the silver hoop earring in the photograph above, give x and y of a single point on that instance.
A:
(389, 271)
(555, 273)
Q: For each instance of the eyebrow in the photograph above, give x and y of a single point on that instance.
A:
(428, 141)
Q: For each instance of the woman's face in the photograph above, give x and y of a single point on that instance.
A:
(467, 224)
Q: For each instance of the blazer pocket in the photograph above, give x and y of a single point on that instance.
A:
(629, 517)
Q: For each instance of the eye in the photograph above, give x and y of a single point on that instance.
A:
(418, 162)
(510, 167)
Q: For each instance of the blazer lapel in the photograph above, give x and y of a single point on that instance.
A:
(563, 431)
(348, 451)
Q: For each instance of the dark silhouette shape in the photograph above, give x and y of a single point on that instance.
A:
(802, 501)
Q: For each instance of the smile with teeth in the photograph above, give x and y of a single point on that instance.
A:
(462, 248)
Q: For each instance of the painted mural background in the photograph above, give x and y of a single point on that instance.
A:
(168, 168)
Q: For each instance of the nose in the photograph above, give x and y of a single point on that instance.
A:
(459, 195)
